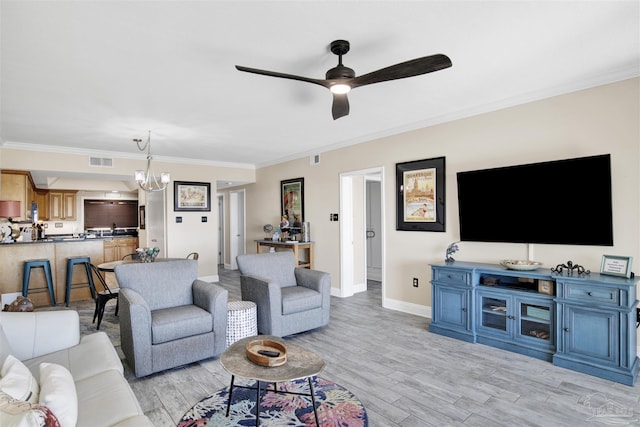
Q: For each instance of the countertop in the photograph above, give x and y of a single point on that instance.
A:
(56, 239)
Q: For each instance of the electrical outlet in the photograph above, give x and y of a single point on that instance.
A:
(415, 282)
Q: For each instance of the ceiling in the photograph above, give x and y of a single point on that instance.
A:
(89, 76)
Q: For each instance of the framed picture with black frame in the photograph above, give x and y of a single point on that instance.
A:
(191, 196)
(292, 201)
(420, 195)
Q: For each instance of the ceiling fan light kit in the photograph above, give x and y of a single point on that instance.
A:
(341, 79)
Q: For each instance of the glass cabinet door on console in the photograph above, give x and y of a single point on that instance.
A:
(496, 314)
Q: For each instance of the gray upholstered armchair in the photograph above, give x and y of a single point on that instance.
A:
(168, 317)
(289, 299)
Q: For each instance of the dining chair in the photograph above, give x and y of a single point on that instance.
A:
(102, 297)
(132, 256)
(193, 255)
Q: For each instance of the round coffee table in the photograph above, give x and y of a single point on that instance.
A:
(301, 363)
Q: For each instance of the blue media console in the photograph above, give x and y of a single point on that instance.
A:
(583, 322)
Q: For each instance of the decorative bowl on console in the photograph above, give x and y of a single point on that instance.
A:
(512, 264)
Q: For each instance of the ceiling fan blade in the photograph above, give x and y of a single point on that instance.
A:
(320, 82)
(411, 68)
(340, 106)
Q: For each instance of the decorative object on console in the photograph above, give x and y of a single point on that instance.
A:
(520, 264)
(451, 249)
(268, 229)
(420, 195)
(616, 266)
(146, 179)
(546, 287)
(570, 266)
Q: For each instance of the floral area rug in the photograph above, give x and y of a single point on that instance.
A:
(336, 406)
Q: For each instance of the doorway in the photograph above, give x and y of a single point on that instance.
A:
(221, 238)
(236, 226)
(361, 207)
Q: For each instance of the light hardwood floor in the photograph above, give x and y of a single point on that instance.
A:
(406, 376)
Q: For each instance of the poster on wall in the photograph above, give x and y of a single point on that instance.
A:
(292, 202)
(420, 195)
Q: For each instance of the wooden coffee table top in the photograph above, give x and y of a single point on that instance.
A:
(301, 363)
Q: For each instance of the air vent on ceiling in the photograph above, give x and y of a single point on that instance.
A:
(101, 162)
(314, 159)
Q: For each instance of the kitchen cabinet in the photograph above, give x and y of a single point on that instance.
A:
(18, 185)
(41, 197)
(62, 205)
(118, 247)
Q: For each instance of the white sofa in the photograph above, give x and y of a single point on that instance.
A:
(104, 398)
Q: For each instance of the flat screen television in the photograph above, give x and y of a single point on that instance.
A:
(566, 202)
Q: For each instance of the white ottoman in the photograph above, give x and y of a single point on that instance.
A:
(242, 320)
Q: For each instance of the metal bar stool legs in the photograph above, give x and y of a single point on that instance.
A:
(34, 263)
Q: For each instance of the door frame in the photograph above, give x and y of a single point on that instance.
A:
(237, 223)
(347, 227)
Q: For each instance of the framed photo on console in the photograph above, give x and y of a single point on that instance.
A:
(616, 265)
(420, 195)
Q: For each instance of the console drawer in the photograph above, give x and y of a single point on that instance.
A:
(450, 275)
(596, 294)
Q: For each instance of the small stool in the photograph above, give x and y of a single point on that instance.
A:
(35, 263)
(71, 262)
(242, 320)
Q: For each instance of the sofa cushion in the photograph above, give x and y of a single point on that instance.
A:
(17, 381)
(106, 400)
(298, 298)
(58, 393)
(173, 323)
(19, 413)
(81, 360)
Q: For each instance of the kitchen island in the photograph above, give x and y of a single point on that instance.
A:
(13, 255)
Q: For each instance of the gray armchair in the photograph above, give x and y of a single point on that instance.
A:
(168, 317)
(289, 299)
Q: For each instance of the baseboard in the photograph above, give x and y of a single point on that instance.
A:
(407, 307)
(213, 278)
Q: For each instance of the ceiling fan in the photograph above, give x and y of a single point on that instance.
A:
(340, 79)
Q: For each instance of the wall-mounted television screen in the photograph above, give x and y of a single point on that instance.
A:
(564, 202)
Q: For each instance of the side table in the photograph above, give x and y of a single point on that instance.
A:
(242, 320)
(301, 363)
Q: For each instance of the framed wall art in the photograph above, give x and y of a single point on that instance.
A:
(191, 196)
(420, 195)
(292, 201)
(616, 265)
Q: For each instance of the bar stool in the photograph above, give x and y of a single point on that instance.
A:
(71, 262)
(36, 263)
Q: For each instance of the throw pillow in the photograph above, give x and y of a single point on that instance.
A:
(58, 393)
(17, 381)
(18, 413)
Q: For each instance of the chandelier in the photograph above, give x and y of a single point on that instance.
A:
(147, 180)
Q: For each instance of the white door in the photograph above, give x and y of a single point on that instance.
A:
(374, 226)
(236, 226)
(156, 221)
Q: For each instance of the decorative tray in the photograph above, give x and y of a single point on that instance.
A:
(266, 353)
(520, 265)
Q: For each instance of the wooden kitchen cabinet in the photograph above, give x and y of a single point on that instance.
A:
(41, 197)
(116, 248)
(62, 205)
(18, 185)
